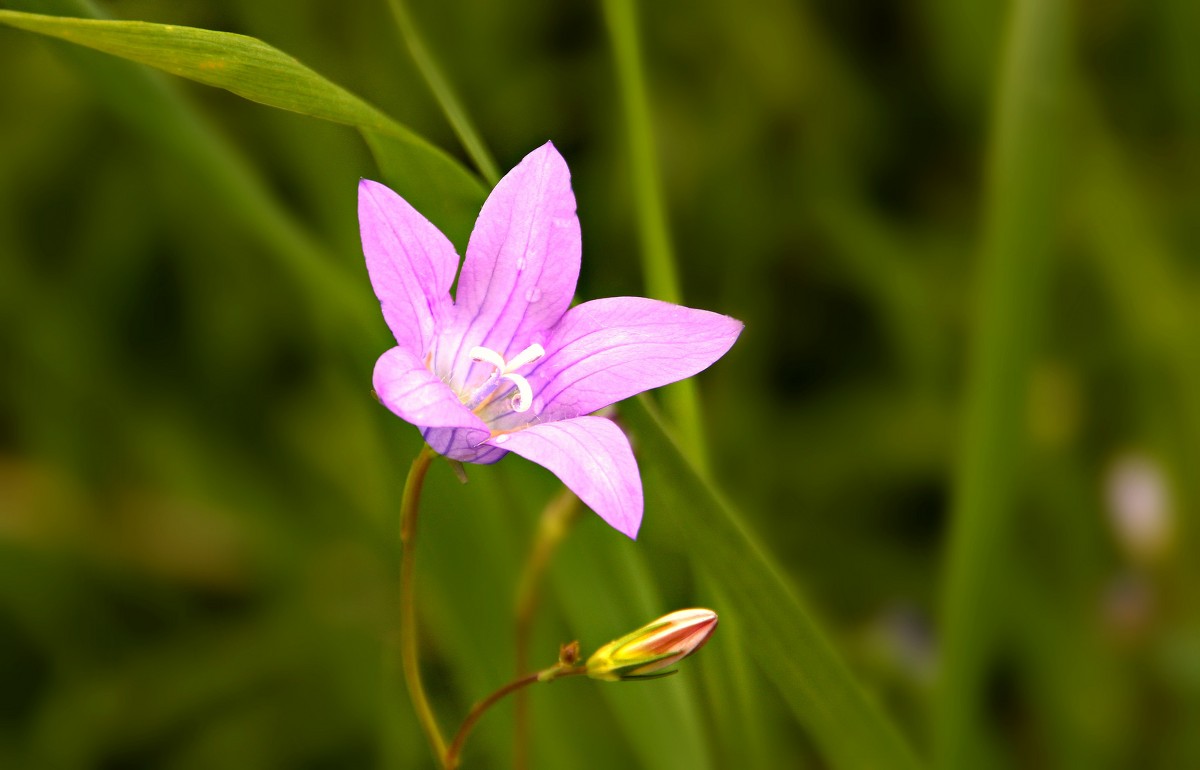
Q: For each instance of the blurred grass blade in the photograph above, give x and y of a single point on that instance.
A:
(658, 259)
(446, 98)
(254, 70)
(785, 642)
(1012, 277)
(662, 280)
(739, 716)
(1152, 297)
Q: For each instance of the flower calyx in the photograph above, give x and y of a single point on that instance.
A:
(567, 665)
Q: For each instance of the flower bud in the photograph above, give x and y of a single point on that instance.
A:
(655, 646)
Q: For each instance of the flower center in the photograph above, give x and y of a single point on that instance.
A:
(504, 370)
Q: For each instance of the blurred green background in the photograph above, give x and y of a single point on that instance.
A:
(964, 415)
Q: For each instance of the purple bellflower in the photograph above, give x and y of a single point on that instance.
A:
(508, 365)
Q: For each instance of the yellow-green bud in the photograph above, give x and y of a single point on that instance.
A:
(644, 653)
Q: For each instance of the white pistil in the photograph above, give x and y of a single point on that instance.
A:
(507, 371)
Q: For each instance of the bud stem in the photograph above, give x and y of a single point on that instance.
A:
(556, 671)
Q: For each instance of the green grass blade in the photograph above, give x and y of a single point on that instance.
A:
(658, 259)
(147, 103)
(785, 641)
(446, 98)
(739, 716)
(243, 65)
(662, 280)
(256, 71)
(1012, 277)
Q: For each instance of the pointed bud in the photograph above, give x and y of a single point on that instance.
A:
(655, 646)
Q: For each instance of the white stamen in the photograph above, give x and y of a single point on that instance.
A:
(480, 353)
(505, 369)
(524, 398)
(526, 356)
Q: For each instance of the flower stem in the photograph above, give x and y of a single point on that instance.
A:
(553, 526)
(477, 711)
(408, 606)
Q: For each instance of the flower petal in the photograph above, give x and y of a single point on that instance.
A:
(522, 261)
(593, 458)
(411, 265)
(464, 445)
(607, 350)
(416, 394)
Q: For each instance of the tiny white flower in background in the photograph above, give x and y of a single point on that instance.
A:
(1139, 506)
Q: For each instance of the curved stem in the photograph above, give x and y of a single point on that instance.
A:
(553, 526)
(408, 606)
(477, 711)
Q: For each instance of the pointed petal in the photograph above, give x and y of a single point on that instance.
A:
(411, 265)
(593, 458)
(607, 350)
(416, 394)
(522, 260)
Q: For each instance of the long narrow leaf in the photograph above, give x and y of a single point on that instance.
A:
(785, 641)
(256, 71)
(144, 100)
(244, 65)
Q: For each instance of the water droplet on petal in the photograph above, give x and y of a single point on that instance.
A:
(533, 295)
(501, 438)
(520, 263)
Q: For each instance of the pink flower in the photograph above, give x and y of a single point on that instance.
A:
(506, 366)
